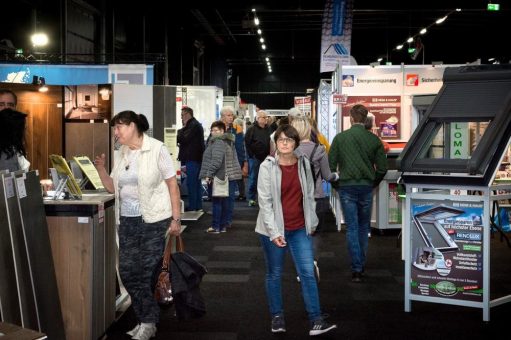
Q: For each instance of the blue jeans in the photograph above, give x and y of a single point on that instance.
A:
(300, 246)
(356, 203)
(222, 208)
(194, 185)
(253, 173)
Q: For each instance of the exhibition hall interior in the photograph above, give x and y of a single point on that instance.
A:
(156, 163)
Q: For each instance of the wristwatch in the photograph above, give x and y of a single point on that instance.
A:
(178, 220)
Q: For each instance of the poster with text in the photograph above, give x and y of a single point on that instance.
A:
(386, 110)
(447, 249)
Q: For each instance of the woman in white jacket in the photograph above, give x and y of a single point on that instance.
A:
(286, 220)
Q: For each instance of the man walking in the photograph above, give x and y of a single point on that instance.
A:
(358, 157)
(257, 142)
(190, 139)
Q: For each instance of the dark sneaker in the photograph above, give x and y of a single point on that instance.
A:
(278, 325)
(320, 327)
(356, 277)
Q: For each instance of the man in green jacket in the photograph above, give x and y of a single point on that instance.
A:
(358, 157)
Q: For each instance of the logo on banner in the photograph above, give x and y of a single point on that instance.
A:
(412, 79)
(348, 80)
(336, 34)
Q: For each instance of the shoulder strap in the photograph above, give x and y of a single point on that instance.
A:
(313, 169)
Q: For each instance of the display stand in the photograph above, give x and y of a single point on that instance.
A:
(451, 167)
(461, 274)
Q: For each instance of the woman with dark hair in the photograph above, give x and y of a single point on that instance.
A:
(286, 220)
(147, 204)
(12, 138)
(220, 160)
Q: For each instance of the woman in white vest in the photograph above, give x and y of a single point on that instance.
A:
(147, 204)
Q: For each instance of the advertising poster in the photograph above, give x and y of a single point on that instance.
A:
(447, 249)
(387, 112)
(336, 34)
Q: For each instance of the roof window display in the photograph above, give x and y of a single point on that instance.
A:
(464, 135)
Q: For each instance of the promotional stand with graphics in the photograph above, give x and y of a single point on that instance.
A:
(451, 169)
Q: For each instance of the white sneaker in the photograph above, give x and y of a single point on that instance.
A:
(145, 332)
(134, 330)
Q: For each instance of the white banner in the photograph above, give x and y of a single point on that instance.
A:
(336, 34)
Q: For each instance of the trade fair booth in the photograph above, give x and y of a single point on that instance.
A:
(389, 93)
(455, 168)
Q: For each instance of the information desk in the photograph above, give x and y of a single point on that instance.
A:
(82, 235)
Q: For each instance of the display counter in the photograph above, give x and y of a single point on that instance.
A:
(82, 235)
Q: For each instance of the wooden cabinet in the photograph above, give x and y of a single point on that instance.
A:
(82, 236)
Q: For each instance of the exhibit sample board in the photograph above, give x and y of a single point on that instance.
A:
(33, 300)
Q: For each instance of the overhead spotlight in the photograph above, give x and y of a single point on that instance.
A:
(39, 39)
(256, 21)
(253, 9)
(423, 31)
(458, 9)
(263, 46)
(379, 60)
(261, 39)
(267, 59)
(398, 47)
(259, 31)
(441, 20)
(409, 40)
(491, 59)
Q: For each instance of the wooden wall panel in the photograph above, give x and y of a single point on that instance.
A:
(44, 123)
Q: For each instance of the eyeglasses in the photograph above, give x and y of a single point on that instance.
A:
(285, 140)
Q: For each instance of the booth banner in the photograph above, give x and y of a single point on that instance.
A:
(304, 104)
(336, 34)
(386, 110)
(447, 249)
(423, 79)
(362, 80)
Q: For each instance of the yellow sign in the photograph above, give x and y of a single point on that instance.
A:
(60, 164)
(90, 171)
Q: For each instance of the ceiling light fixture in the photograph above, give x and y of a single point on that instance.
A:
(263, 46)
(259, 31)
(261, 39)
(379, 59)
(441, 20)
(424, 30)
(267, 59)
(256, 21)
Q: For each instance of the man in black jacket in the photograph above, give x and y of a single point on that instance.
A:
(257, 143)
(190, 139)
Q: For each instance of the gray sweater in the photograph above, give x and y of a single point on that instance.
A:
(219, 157)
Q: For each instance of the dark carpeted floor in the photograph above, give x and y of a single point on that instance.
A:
(236, 300)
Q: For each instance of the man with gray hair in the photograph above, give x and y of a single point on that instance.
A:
(257, 142)
(227, 117)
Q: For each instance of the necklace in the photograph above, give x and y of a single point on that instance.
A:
(131, 157)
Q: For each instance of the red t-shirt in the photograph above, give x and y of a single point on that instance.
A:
(292, 198)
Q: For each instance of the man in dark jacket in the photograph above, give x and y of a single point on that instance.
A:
(190, 140)
(257, 142)
(358, 156)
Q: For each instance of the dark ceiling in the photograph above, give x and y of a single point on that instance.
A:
(219, 39)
